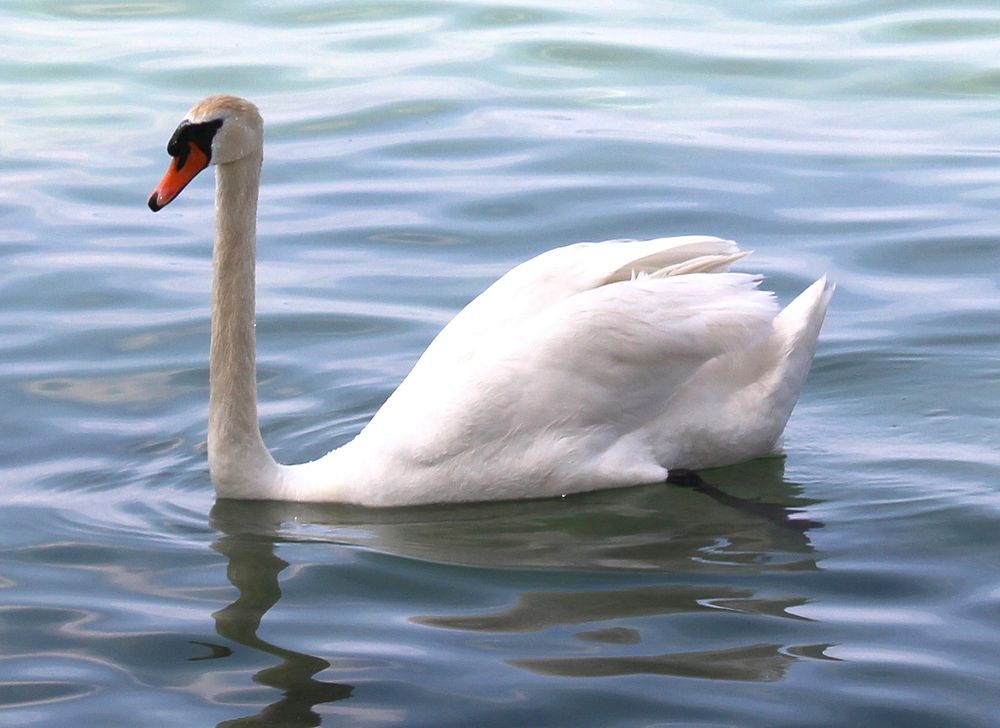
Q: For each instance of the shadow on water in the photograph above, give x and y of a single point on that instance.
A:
(580, 545)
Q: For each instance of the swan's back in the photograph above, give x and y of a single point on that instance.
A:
(590, 366)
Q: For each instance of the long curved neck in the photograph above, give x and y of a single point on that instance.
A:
(239, 462)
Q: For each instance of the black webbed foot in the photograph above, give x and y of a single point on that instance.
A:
(684, 478)
(774, 512)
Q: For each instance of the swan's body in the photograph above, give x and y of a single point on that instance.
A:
(591, 366)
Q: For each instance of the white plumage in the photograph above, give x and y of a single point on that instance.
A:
(595, 365)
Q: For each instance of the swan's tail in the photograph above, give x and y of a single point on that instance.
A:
(740, 402)
(798, 326)
(791, 349)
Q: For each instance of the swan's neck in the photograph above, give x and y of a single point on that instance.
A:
(239, 462)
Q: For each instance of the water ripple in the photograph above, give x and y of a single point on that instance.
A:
(414, 152)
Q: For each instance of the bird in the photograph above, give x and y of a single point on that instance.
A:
(590, 366)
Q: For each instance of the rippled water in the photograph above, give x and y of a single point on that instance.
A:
(416, 150)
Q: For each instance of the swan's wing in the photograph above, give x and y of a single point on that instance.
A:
(575, 268)
(573, 381)
(618, 353)
(562, 272)
(534, 286)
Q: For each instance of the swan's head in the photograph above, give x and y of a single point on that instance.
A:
(217, 130)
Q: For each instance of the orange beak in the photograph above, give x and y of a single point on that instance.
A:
(182, 170)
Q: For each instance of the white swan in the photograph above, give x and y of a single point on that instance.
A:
(591, 366)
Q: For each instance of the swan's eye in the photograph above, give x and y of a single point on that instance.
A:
(200, 134)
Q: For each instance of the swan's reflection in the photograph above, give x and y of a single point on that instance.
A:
(614, 537)
(253, 569)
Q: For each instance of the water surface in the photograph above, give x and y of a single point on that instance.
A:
(415, 151)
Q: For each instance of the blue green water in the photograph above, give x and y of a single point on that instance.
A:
(415, 151)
